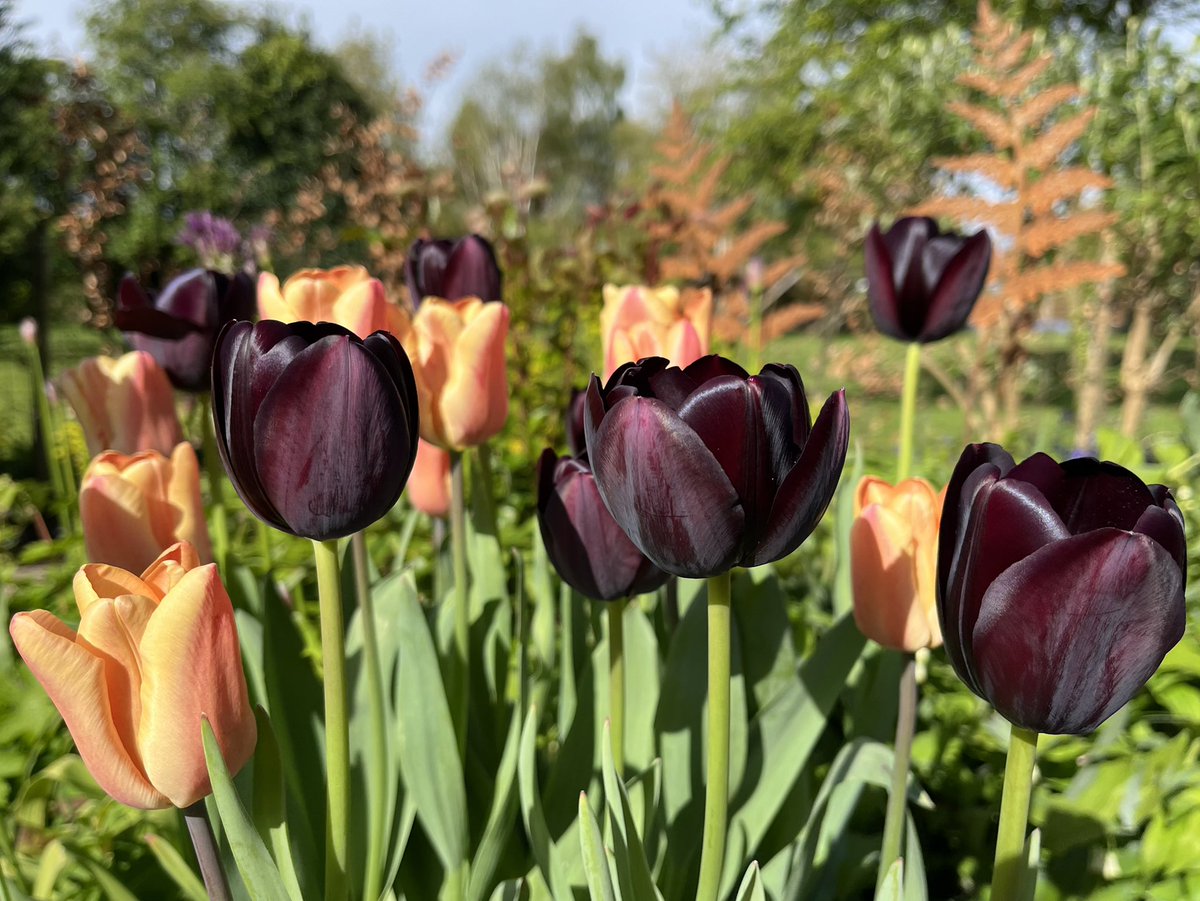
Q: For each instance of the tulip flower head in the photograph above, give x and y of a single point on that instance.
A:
(707, 467)
(124, 404)
(921, 283)
(153, 656)
(1060, 586)
(452, 270)
(893, 563)
(134, 507)
(582, 539)
(639, 322)
(317, 428)
(346, 295)
(457, 352)
(429, 484)
(179, 326)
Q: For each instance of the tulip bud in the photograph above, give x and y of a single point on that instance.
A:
(133, 507)
(707, 467)
(179, 326)
(639, 322)
(346, 295)
(582, 540)
(317, 428)
(152, 657)
(28, 330)
(893, 563)
(1060, 586)
(452, 270)
(429, 484)
(124, 404)
(457, 352)
(921, 283)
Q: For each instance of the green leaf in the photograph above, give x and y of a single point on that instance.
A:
(254, 863)
(892, 886)
(633, 872)
(751, 888)
(550, 857)
(112, 888)
(176, 867)
(268, 805)
(1033, 857)
(595, 860)
(500, 820)
(843, 594)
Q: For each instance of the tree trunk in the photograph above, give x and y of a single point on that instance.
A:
(1091, 394)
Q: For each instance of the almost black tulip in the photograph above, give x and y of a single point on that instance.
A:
(922, 284)
(452, 270)
(707, 468)
(179, 327)
(582, 540)
(1060, 586)
(317, 428)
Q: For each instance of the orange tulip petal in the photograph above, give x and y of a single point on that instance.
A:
(171, 566)
(119, 522)
(96, 581)
(474, 402)
(183, 491)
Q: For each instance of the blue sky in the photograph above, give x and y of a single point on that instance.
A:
(639, 32)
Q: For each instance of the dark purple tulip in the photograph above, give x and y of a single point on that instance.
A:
(707, 468)
(179, 326)
(1060, 585)
(922, 284)
(317, 428)
(452, 270)
(582, 540)
(576, 439)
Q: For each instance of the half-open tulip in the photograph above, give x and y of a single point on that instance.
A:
(346, 295)
(707, 467)
(317, 428)
(134, 507)
(585, 544)
(123, 403)
(1060, 586)
(893, 563)
(452, 270)
(179, 326)
(457, 351)
(429, 484)
(639, 322)
(153, 656)
(921, 283)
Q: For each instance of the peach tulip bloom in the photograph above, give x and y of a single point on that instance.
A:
(346, 295)
(123, 403)
(893, 562)
(136, 506)
(639, 322)
(429, 484)
(457, 353)
(153, 655)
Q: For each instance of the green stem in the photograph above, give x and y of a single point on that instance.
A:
(897, 808)
(908, 410)
(216, 481)
(207, 854)
(46, 425)
(377, 759)
(337, 725)
(1009, 869)
(460, 694)
(716, 790)
(616, 681)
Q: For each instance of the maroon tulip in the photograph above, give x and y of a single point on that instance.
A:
(179, 327)
(1060, 586)
(707, 468)
(922, 284)
(582, 540)
(317, 428)
(452, 270)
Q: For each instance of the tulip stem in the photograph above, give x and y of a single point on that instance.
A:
(1009, 870)
(207, 853)
(897, 808)
(377, 738)
(716, 790)
(460, 693)
(616, 681)
(908, 410)
(216, 475)
(337, 726)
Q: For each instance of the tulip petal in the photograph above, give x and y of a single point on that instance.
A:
(470, 270)
(74, 678)
(804, 494)
(959, 284)
(977, 463)
(665, 489)
(171, 566)
(120, 520)
(99, 581)
(1095, 495)
(787, 421)
(363, 422)
(1069, 634)
(1166, 527)
(194, 623)
(887, 605)
(474, 398)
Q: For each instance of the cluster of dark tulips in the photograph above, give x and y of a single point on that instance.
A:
(1058, 586)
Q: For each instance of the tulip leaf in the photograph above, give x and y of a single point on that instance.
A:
(176, 867)
(892, 886)
(633, 873)
(500, 820)
(843, 594)
(268, 805)
(109, 884)
(916, 887)
(751, 888)
(551, 857)
(489, 581)
(595, 859)
(254, 862)
(426, 745)
(1033, 856)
